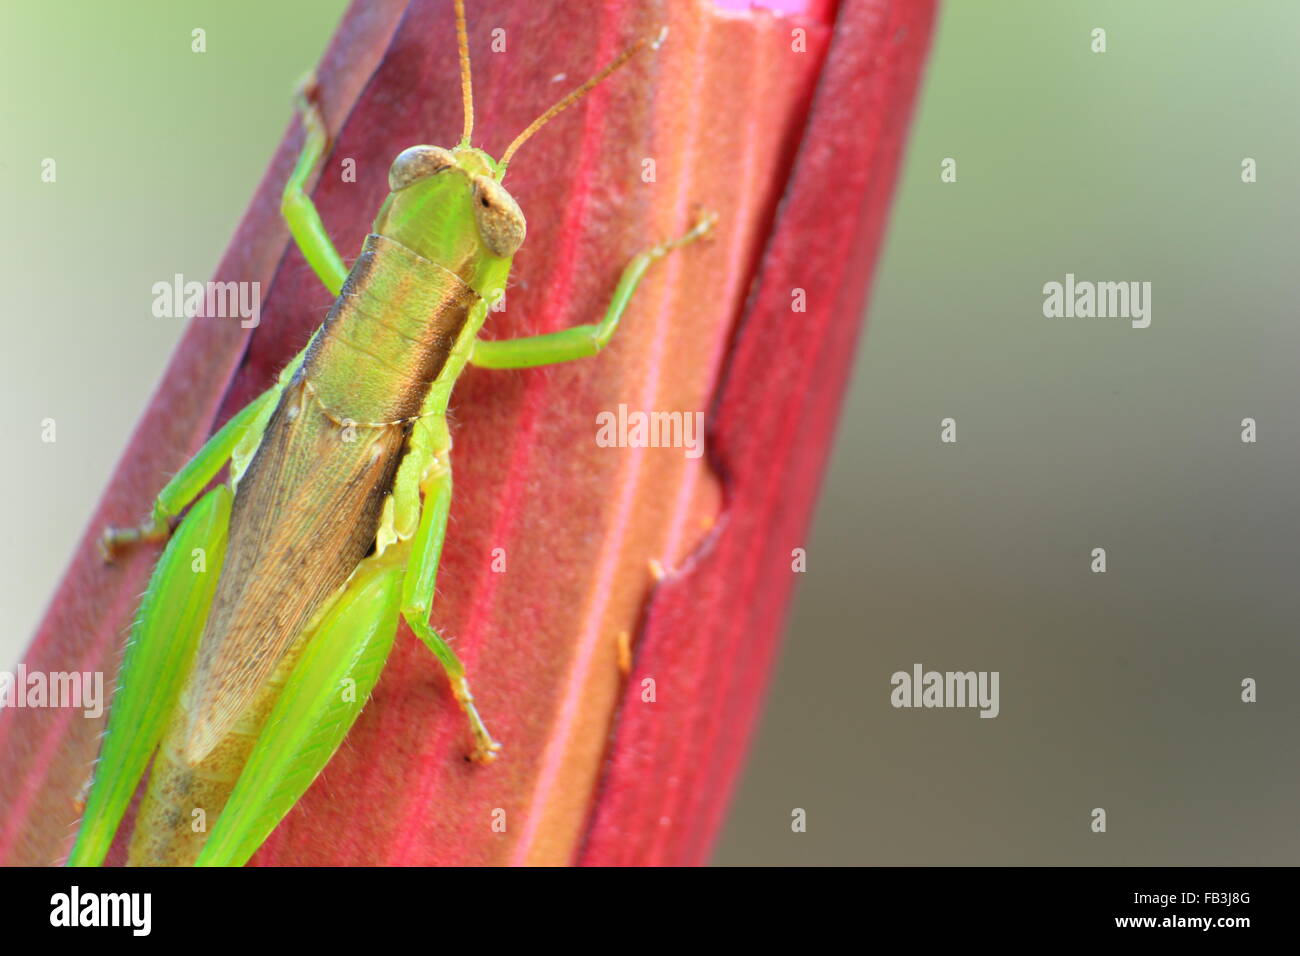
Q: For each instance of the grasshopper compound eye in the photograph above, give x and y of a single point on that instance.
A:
(416, 163)
(500, 220)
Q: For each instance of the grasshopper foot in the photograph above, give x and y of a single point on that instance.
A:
(307, 98)
(485, 748)
(115, 539)
(485, 753)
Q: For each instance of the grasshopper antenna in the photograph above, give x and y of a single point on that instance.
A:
(466, 84)
(652, 42)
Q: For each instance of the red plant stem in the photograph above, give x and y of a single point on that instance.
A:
(592, 773)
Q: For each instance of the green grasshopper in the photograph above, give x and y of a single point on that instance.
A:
(332, 522)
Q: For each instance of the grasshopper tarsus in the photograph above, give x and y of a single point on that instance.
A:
(484, 755)
(114, 539)
(307, 99)
(705, 220)
(307, 92)
(108, 543)
(105, 547)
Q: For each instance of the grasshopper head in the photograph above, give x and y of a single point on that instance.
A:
(450, 207)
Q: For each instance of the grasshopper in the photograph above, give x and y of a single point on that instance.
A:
(330, 526)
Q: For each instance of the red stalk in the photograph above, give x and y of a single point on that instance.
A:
(797, 152)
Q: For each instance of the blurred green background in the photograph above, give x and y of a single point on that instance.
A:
(1118, 690)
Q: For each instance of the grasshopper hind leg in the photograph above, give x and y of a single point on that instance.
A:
(158, 656)
(339, 665)
(322, 697)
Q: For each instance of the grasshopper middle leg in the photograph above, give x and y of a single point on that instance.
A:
(417, 601)
(186, 484)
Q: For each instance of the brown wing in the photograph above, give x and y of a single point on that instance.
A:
(305, 514)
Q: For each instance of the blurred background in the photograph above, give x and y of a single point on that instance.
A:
(1118, 690)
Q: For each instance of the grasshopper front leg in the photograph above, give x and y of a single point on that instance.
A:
(582, 341)
(296, 206)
